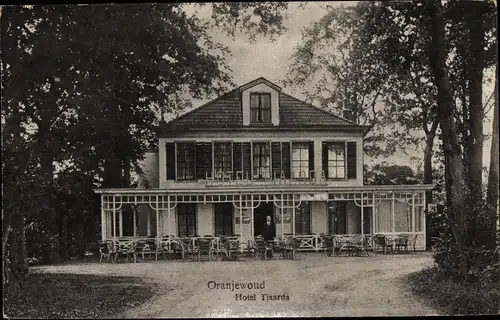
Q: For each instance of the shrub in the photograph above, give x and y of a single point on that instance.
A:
(453, 297)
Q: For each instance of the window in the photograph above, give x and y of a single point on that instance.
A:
(186, 215)
(260, 107)
(222, 157)
(223, 219)
(336, 161)
(300, 160)
(303, 218)
(261, 160)
(185, 161)
(337, 222)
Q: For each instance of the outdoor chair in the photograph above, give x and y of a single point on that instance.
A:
(358, 245)
(297, 242)
(154, 248)
(328, 245)
(287, 248)
(125, 248)
(402, 243)
(140, 247)
(230, 249)
(107, 251)
(413, 243)
(382, 243)
(204, 246)
(187, 244)
(261, 248)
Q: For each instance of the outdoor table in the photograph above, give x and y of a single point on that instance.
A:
(392, 239)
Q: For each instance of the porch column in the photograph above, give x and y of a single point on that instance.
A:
(392, 210)
(135, 222)
(168, 225)
(281, 209)
(241, 215)
(252, 231)
(114, 218)
(374, 208)
(293, 215)
(148, 223)
(121, 222)
(413, 212)
(157, 219)
(103, 220)
(362, 205)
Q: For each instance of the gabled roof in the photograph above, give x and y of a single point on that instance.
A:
(225, 112)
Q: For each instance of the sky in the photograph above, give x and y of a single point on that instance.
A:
(272, 60)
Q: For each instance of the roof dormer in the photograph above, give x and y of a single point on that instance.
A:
(260, 103)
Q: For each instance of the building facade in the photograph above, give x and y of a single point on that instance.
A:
(256, 151)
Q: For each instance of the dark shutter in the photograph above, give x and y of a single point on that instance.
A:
(207, 158)
(247, 160)
(170, 148)
(311, 159)
(351, 160)
(200, 160)
(324, 158)
(276, 159)
(237, 165)
(285, 159)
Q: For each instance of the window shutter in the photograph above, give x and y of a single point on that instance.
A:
(237, 157)
(276, 159)
(324, 158)
(247, 159)
(200, 161)
(170, 149)
(351, 160)
(285, 158)
(207, 159)
(311, 158)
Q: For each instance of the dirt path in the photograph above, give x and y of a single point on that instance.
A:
(315, 286)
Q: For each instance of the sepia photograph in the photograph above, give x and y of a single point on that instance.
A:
(250, 159)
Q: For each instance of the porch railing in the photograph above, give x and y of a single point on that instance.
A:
(231, 178)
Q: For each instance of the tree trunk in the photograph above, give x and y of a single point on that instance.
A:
(475, 66)
(428, 180)
(65, 236)
(51, 213)
(493, 175)
(454, 173)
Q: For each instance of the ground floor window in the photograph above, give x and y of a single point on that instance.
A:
(337, 222)
(186, 215)
(223, 219)
(303, 218)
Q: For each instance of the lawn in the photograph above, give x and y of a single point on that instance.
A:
(55, 295)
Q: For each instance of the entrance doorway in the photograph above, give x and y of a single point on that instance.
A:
(259, 216)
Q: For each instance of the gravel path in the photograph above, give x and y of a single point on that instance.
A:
(315, 285)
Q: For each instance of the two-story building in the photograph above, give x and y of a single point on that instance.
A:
(223, 167)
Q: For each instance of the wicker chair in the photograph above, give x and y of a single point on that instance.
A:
(204, 247)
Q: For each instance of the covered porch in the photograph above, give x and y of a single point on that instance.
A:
(304, 212)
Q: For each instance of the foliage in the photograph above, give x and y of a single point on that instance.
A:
(482, 262)
(455, 298)
(387, 174)
(48, 296)
(82, 86)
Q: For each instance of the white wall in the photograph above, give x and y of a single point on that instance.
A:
(205, 220)
(319, 212)
(150, 166)
(241, 136)
(245, 100)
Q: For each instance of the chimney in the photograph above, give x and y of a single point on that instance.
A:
(348, 114)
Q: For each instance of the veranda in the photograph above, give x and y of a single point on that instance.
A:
(383, 206)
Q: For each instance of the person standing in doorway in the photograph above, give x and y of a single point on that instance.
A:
(269, 233)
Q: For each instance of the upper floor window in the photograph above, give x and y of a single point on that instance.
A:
(260, 107)
(300, 160)
(336, 160)
(185, 161)
(261, 160)
(222, 157)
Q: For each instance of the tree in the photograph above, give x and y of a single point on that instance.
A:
(390, 174)
(82, 85)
